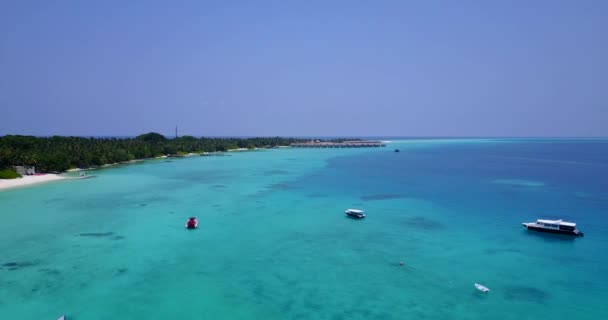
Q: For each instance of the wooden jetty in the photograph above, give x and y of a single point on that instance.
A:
(343, 144)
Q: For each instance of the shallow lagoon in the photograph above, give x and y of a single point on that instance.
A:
(273, 241)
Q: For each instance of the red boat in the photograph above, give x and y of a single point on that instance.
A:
(192, 223)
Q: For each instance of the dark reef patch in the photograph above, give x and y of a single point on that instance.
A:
(50, 272)
(313, 305)
(121, 271)
(287, 307)
(11, 266)
(281, 186)
(53, 200)
(525, 293)
(117, 238)
(200, 176)
(96, 234)
(498, 250)
(423, 223)
(219, 186)
(276, 172)
(376, 197)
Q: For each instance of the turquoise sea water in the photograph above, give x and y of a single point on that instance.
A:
(273, 241)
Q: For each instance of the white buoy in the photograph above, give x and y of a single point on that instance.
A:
(481, 288)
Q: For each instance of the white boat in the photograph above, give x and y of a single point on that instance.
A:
(481, 288)
(64, 317)
(554, 226)
(355, 213)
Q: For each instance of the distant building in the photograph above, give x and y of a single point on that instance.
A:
(25, 170)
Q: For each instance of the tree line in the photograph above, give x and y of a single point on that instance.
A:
(57, 153)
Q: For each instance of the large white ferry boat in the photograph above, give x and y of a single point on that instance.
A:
(554, 226)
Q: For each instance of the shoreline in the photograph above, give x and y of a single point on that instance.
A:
(6, 184)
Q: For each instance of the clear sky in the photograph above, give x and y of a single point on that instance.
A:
(384, 68)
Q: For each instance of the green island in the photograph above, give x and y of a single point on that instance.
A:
(58, 153)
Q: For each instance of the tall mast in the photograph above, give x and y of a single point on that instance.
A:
(176, 131)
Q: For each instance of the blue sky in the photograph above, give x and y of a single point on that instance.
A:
(385, 68)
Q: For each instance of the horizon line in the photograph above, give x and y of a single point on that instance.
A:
(325, 136)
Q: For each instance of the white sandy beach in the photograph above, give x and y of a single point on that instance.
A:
(28, 180)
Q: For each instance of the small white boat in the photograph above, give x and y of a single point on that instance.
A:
(64, 317)
(354, 213)
(481, 288)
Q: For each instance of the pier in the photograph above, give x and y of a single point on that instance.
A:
(343, 144)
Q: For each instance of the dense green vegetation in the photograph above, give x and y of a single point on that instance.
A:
(9, 174)
(50, 154)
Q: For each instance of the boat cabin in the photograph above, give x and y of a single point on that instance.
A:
(556, 224)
